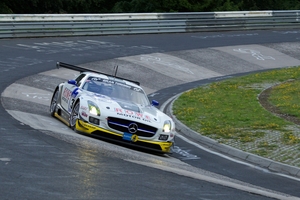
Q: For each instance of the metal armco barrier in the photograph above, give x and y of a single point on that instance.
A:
(45, 25)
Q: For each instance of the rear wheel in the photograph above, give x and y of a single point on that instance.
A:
(54, 102)
(74, 115)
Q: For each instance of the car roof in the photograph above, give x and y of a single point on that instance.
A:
(103, 76)
(82, 70)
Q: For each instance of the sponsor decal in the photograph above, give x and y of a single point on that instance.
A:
(134, 138)
(109, 81)
(84, 114)
(137, 89)
(132, 114)
(66, 95)
(83, 108)
(130, 137)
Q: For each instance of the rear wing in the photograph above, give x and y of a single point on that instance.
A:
(82, 69)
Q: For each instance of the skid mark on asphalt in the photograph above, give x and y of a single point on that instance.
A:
(10, 64)
(172, 66)
(62, 73)
(160, 61)
(184, 154)
(263, 56)
(41, 122)
(224, 35)
(23, 92)
(79, 48)
(256, 54)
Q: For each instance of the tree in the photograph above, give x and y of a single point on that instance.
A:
(5, 9)
(134, 6)
(227, 6)
(33, 6)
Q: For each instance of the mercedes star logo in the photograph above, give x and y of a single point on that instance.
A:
(132, 128)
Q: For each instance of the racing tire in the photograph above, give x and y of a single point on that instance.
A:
(53, 103)
(74, 116)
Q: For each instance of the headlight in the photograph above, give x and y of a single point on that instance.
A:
(93, 108)
(167, 126)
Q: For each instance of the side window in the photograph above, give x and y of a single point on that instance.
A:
(79, 78)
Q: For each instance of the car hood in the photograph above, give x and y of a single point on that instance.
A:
(125, 109)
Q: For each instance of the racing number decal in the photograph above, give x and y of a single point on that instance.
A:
(68, 97)
(72, 103)
(72, 98)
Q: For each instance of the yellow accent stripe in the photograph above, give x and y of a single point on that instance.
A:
(89, 128)
(61, 119)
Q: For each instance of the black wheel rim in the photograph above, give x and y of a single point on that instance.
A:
(54, 102)
(74, 115)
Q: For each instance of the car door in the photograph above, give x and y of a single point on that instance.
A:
(70, 91)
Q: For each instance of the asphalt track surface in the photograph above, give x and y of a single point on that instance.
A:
(56, 164)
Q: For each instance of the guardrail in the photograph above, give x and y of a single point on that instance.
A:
(45, 25)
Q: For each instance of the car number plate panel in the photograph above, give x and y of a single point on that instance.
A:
(130, 137)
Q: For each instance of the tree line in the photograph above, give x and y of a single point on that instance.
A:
(140, 6)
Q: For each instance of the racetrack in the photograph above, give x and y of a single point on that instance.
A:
(50, 161)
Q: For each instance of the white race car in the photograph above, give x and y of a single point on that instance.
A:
(111, 107)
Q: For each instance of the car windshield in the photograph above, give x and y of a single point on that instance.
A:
(116, 90)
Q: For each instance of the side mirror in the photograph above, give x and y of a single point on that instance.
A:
(155, 103)
(72, 82)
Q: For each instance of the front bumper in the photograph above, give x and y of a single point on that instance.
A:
(158, 146)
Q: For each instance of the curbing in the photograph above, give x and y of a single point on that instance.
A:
(228, 150)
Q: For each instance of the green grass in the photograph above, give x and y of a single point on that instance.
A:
(229, 111)
(286, 97)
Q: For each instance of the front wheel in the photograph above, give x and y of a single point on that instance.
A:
(74, 115)
(53, 104)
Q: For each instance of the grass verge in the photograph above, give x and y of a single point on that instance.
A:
(229, 112)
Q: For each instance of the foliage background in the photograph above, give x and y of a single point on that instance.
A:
(140, 6)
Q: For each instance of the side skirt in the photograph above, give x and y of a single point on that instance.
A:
(62, 115)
